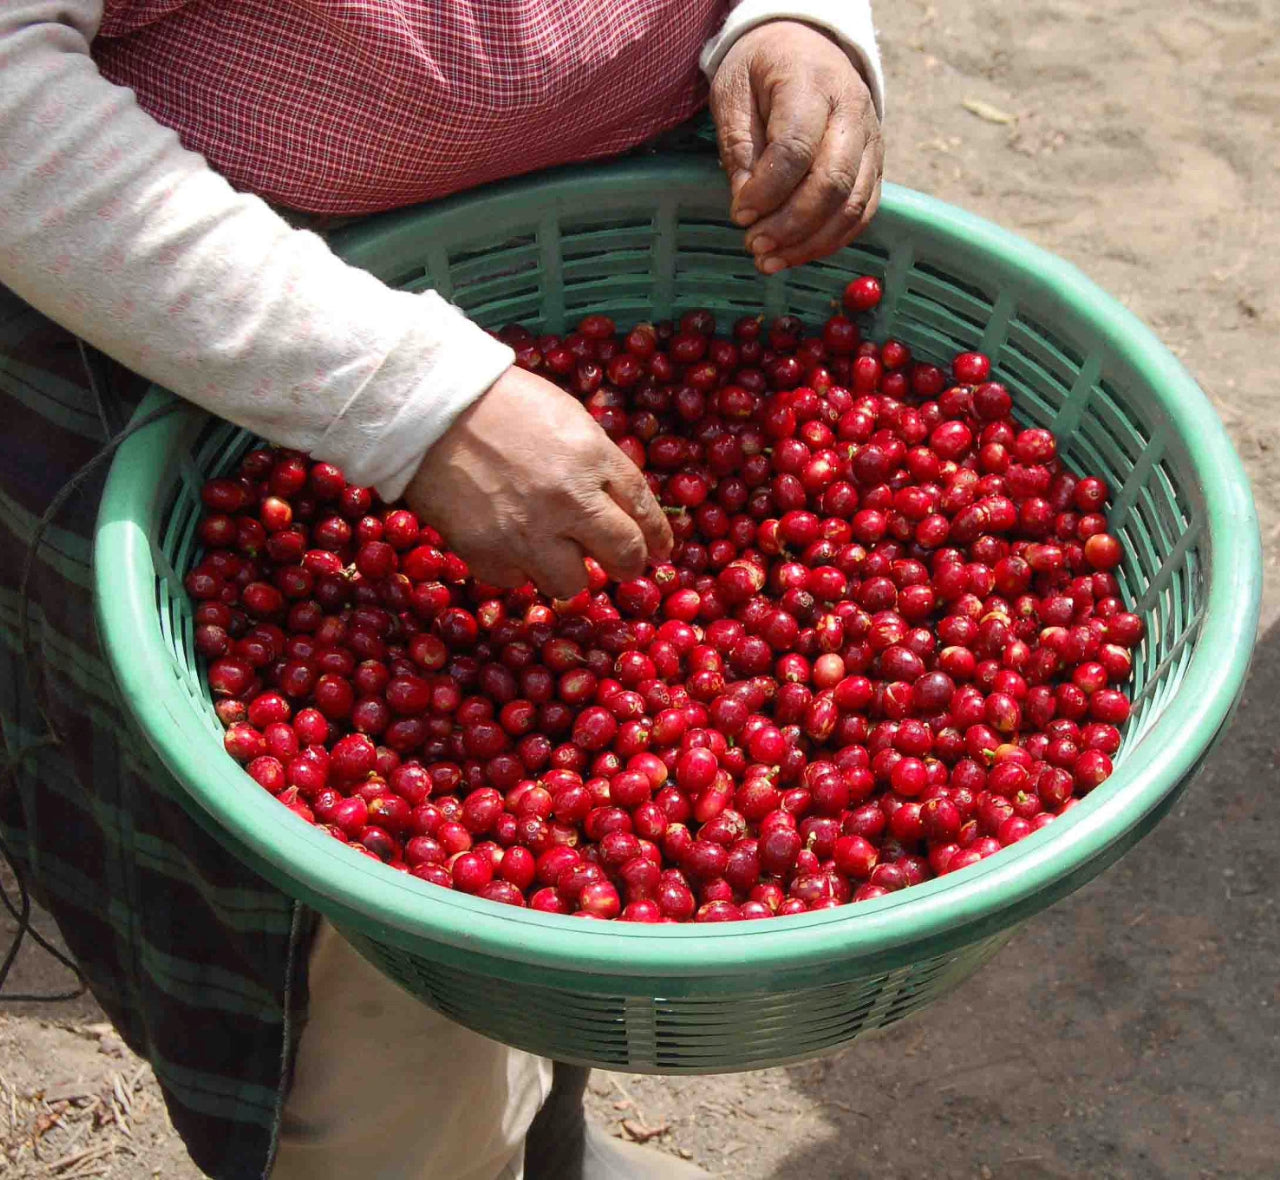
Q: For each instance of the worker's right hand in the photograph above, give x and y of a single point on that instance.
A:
(525, 483)
(800, 140)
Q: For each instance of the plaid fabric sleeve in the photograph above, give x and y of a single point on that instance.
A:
(198, 962)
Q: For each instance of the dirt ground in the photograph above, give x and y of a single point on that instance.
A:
(1131, 1032)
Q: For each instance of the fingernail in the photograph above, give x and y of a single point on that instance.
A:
(763, 245)
(771, 266)
(738, 179)
(745, 216)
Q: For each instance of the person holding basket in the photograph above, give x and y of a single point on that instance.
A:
(167, 171)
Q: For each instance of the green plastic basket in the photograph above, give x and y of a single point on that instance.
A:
(643, 240)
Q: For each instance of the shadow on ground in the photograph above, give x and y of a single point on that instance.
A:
(1131, 1031)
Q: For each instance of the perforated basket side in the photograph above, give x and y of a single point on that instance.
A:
(678, 1033)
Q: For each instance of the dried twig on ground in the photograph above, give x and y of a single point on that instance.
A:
(98, 1151)
(642, 1134)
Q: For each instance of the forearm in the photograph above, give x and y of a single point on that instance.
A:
(849, 21)
(110, 227)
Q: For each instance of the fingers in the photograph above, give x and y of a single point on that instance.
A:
(558, 569)
(553, 564)
(853, 216)
(613, 539)
(821, 196)
(631, 493)
(496, 573)
(740, 130)
(796, 121)
(619, 523)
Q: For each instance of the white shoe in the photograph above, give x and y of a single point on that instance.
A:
(607, 1158)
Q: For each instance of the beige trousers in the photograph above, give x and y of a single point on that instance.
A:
(385, 1088)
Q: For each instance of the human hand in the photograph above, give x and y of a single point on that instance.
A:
(800, 140)
(525, 483)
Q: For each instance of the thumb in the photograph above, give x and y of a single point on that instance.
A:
(740, 129)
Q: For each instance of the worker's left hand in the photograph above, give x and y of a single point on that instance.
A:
(800, 140)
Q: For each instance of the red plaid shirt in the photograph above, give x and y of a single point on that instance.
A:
(352, 106)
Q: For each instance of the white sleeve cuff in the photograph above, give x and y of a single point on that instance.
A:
(379, 442)
(849, 21)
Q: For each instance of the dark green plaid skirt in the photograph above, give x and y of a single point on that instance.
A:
(197, 961)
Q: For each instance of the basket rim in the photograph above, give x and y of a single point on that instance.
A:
(952, 909)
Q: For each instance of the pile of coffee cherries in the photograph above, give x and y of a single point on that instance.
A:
(888, 643)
